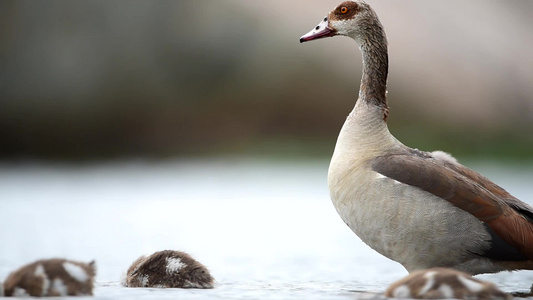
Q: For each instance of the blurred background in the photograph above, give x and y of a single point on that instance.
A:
(128, 127)
(119, 79)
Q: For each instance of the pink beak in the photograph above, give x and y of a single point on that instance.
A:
(322, 30)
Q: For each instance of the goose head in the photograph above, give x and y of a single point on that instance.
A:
(350, 18)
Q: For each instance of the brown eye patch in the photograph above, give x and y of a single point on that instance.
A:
(346, 10)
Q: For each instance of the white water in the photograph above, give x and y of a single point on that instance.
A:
(265, 229)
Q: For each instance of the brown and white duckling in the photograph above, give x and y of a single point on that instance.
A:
(443, 283)
(418, 208)
(52, 278)
(168, 269)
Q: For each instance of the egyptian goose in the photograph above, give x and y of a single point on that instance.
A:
(168, 269)
(442, 283)
(52, 278)
(420, 209)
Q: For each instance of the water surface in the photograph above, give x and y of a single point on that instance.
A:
(266, 229)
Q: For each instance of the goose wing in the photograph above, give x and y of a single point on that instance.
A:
(508, 220)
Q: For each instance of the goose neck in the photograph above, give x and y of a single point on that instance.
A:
(375, 69)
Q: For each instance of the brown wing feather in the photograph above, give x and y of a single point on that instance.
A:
(515, 230)
(466, 190)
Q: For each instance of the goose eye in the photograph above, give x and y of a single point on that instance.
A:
(344, 9)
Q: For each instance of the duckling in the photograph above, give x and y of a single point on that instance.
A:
(52, 278)
(168, 269)
(443, 283)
